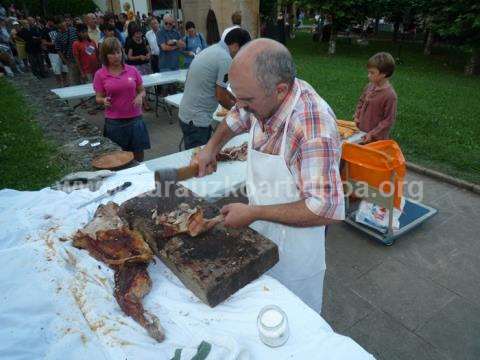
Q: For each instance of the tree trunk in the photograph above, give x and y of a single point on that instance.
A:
(429, 43)
(175, 10)
(332, 45)
(396, 27)
(473, 66)
(377, 24)
(44, 7)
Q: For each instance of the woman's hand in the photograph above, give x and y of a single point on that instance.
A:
(107, 102)
(138, 100)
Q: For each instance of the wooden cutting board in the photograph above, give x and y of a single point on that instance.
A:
(213, 265)
(113, 160)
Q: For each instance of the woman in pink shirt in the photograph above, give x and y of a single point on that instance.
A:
(119, 88)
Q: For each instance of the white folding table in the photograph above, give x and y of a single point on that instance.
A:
(151, 80)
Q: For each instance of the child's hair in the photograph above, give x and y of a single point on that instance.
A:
(384, 62)
(81, 28)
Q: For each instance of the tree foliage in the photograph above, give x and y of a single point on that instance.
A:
(55, 7)
(457, 21)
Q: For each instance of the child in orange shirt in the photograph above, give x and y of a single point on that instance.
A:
(85, 52)
(377, 107)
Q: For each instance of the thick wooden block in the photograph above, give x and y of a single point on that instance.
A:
(213, 265)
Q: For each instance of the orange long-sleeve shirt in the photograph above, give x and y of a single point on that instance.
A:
(376, 110)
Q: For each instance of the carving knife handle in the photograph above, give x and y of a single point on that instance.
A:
(187, 172)
(119, 188)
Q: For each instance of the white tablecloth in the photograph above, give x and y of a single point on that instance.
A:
(57, 303)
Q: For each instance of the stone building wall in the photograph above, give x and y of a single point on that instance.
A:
(197, 10)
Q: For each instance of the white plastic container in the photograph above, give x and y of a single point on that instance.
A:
(272, 324)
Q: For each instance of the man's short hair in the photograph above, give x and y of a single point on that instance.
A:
(273, 67)
(189, 25)
(384, 62)
(151, 19)
(237, 36)
(237, 18)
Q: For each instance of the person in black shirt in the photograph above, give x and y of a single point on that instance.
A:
(138, 53)
(33, 40)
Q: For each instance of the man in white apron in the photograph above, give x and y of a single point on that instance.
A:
(293, 181)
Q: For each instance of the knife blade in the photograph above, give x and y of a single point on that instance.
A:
(108, 193)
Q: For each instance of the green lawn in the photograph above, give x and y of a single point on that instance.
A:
(438, 107)
(27, 160)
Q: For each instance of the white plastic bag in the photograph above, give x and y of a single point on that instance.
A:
(377, 217)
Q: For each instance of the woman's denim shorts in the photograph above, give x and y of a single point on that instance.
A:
(131, 134)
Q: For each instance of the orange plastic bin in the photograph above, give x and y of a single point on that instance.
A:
(381, 164)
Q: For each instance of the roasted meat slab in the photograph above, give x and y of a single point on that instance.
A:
(185, 220)
(108, 239)
(234, 153)
(132, 283)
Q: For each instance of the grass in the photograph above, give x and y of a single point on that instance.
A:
(28, 161)
(438, 107)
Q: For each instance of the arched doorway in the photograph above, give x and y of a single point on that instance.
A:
(213, 35)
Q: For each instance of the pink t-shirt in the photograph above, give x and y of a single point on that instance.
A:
(121, 89)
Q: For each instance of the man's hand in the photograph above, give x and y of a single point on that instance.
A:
(238, 215)
(207, 162)
(357, 122)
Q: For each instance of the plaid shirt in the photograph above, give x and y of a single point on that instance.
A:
(312, 150)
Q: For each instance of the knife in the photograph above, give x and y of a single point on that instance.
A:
(110, 192)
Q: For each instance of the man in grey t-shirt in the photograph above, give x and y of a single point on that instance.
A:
(206, 86)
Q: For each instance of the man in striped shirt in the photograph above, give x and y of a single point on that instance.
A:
(64, 44)
(293, 180)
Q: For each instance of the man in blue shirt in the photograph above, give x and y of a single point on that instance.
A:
(170, 43)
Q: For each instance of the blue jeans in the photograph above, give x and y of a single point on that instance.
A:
(194, 136)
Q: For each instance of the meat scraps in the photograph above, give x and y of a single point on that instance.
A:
(185, 220)
(233, 153)
(109, 240)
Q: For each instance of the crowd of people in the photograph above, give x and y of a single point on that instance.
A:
(69, 47)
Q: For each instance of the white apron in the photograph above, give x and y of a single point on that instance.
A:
(302, 250)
